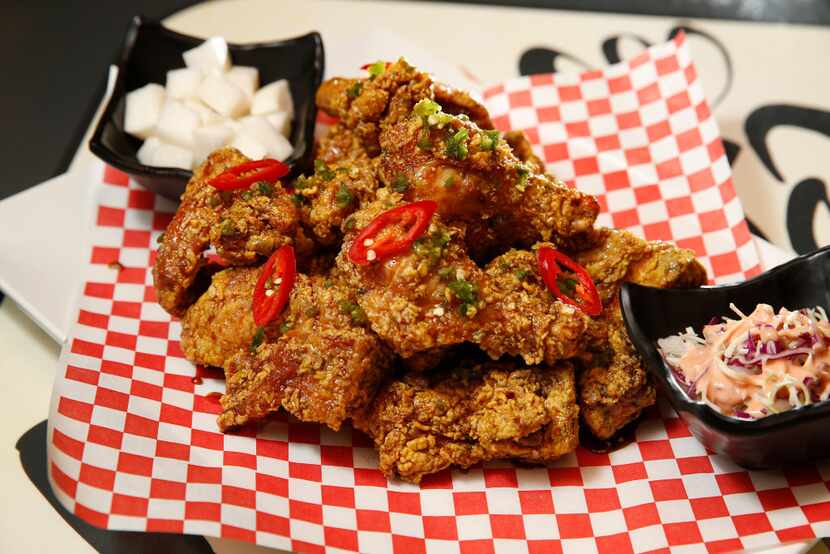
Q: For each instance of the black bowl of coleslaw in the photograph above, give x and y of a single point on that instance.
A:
(787, 437)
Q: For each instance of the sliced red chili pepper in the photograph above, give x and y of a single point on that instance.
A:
(580, 290)
(269, 300)
(368, 65)
(370, 246)
(244, 175)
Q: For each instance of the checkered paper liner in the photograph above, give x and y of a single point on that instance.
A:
(133, 442)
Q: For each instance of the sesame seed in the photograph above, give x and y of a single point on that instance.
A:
(371, 255)
(368, 242)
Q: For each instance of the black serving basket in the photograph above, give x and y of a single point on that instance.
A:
(792, 437)
(150, 50)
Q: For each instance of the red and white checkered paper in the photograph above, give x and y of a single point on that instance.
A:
(133, 442)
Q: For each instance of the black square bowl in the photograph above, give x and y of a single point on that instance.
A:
(777, 440)
(150, 50)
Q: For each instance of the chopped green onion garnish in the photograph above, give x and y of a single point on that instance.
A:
(344, 196)
(323, 170)
(259, 336)
(376, 69)
(354, 90)
(489, 139)
(426, 107)
(400, 184)
(457, 145)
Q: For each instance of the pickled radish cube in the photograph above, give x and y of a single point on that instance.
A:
(211, 54)
(281, 149)
(224, 97)
(280, 121)
(148, 148)
(246, 78)
(177, 123)
(183, 83)
(275, 97)
(143, 108)
(171, 155)
(206, 115)
(209, 138)
(249, 146)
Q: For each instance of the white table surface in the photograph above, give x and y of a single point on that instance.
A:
(28, 355)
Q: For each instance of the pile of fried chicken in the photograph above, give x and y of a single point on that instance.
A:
(451, 353)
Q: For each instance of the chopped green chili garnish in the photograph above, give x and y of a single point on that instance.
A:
(264, 188)
(354, 90)
(524, 175)
(298, 199)
(446, 273)
(349, 223)
(228, 227)
(323, 170)
(344, 196)
(376, 69)
(259, 336)
(400, 184)
(489, 139)
(521, 274)
(426, 107)
(457, 145)
(354, 311)
(449, 182)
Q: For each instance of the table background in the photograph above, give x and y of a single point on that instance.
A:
(56, 57)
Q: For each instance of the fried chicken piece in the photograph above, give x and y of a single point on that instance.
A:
(367, 105)
(332, 193)
(406, 297)
(243, 226)
(422, 424)
(434, 296)
(220, 323)
(324, 364)
(480, 183)
(522, 317)
(614, 388)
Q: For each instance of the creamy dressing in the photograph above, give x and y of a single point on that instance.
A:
(757, 365)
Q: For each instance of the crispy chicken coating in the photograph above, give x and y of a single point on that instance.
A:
(434, 296)
(422, 424)
(324, 364)
(614, 388)
(243, 226)
(479, 182)
(220, 323)
(523, 318)
(331, 194)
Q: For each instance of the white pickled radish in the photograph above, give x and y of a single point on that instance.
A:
(281, 149)
(209, 138)
(249, 146)
(171, 155)
(246, 78)
(206, 115)
(223, 96)
(148, 148)
(143, 107)
(275, 97)
(211, 54)
(177, 123)
(280, 121)
(183, 83)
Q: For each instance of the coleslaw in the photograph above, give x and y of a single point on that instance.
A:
(757, 365)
